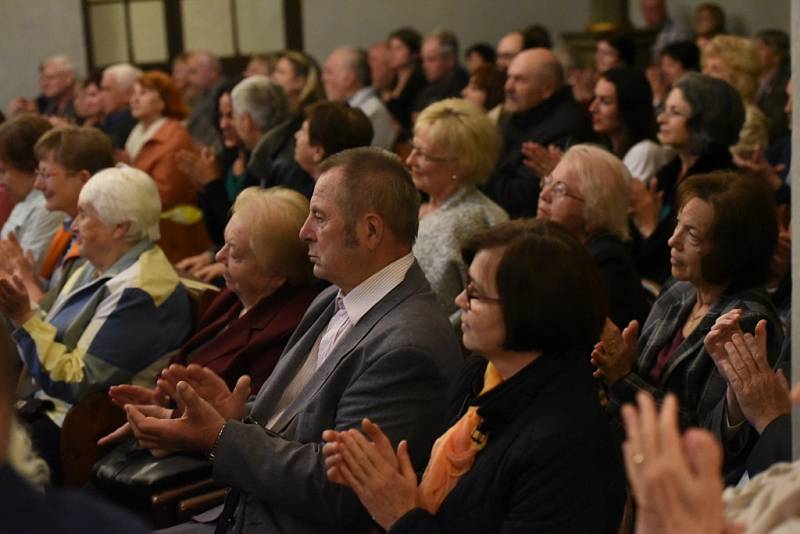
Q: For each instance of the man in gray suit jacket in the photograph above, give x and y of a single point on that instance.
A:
(374, 345)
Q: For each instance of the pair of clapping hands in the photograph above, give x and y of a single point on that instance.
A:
(203, 403)
(18, 283)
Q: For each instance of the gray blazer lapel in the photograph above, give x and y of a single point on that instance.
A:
(694, 343)
(410, 285)
(293, 357)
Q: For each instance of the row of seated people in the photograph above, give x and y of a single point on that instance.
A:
(342, 364)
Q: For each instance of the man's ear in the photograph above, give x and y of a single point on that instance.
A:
(84, 176)
(373, 228)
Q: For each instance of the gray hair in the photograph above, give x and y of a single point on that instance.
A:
(358, 62)
(125, 194)
(63, 62)
(448, 42)
(262, 99)
(125, 74)
(717, 112)
(605, 186)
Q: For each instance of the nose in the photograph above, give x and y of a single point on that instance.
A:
(38, 182)
(305, 231)
(508, 87)
(461, 300)
(222, 255)
(674, 240)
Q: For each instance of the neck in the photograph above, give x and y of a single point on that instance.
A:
(252, 139)
(248, 301)
(111, 256)
(509, 363)
(146, 122)
(438, 198)
(24, 189)
(378, 260)
(707, 294)
(616, 143)
(687, 160)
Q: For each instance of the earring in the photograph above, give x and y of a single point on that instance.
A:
(454, 177)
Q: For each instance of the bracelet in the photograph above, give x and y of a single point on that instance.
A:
(212, 454)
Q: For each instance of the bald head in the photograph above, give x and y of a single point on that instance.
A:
(533, 76)
(205, 70)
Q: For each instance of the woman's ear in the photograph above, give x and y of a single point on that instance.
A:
(121, 230)
(317, 153)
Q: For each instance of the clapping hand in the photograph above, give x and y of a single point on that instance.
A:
(615, 353)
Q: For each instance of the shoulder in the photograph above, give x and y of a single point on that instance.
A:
(152, 274)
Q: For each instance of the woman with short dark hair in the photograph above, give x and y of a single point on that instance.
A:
(528, 449)
(720, 257)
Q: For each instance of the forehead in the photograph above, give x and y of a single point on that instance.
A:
(325, 190)
(237, 231)
(698, 213)
(565, 172)
(605, 88)
(430, 46)
(483, 268)
(677, 99)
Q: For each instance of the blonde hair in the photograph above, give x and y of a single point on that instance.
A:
(275, 216)
(605, 186)
(740, 54)
(305, 66)
(24, 460)
(465, 133)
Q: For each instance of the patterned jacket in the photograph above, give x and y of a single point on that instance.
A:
(691, 373)
(107, 329)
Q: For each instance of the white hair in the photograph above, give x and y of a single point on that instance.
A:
(125, 74)
(262, 99)
(125, 194)
(63, 62)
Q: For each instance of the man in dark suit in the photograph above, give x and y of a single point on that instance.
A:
(540, 108)
(23, 508)
(375, 345)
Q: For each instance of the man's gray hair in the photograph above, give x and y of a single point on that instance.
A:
(125, 194)
(357, 61)
(448, 42)
(125, 74)
(63, 62)
(262, 99)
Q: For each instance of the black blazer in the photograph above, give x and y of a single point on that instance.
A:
(550, 464)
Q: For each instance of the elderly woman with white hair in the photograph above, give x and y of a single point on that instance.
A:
(116, 318)
(588, 194)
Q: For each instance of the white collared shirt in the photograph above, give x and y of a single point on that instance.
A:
(383, 133)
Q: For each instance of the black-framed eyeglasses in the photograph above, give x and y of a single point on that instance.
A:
(472, 294)
(557, 188)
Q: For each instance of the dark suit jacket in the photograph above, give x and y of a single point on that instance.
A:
(691, 373)
(550, 463)
(393, 366)
(559, 120)
(233, 346)
(25, 510)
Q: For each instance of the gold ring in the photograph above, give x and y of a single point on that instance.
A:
(638, 458)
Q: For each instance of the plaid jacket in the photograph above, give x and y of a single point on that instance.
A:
(691, 373)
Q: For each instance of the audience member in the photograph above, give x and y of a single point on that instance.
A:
(346, 76)
(614, 51)
(453, 150)
(88, 102)
(700, 121)
(657, 19)
(116, 88)
(29, 510)
(206, 77)
(298, 74)
(540, 108)
(536, 36)
(30, 223)
(588, 194)
(263, 64)
(676, 59)
(329, 128)
(445, 76)
(68, 157)
(709, 21)
(773, 51)
(152, 147)
(382, 74)
(622, 114)
(735, 60)
(180, 77)
(262, 121)
(268, 288)
(346, 361)
(508, 47)
(58, 87)
(720, 255)
(529, 447)
(126, 290)
(479, 55)
(485, 90)
(404, 59)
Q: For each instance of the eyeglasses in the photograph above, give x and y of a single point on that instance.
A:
(428, 157)
(557, 188)
(471, 293)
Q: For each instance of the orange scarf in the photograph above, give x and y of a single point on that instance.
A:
(454, 452)
(57, 250)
